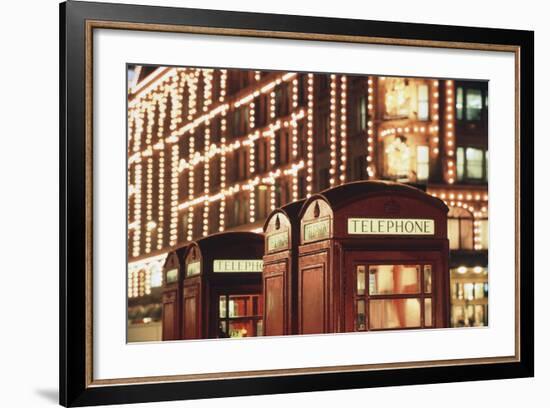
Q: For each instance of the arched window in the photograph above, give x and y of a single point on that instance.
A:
(460, 229)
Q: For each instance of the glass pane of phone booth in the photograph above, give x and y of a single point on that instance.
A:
(394, 313)
(240, 315)
(394, 279)
(399, 296)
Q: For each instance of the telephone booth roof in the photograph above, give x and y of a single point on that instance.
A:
(180, 252)
(290, 210)
(384, 199)
(225, 242)
(339, 196)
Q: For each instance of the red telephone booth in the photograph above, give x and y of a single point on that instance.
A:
(282, 236)
(222, 287)
(373, 256)
(171, 293)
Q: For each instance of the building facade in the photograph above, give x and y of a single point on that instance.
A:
(213, 150)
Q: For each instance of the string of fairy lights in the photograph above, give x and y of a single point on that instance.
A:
(157, 164)
(434, 129)
(449, 132)
(343, 127)
(310, 106)
(370, 127)
(333, 145)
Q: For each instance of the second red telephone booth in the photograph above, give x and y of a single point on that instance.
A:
(282, 236)
(222, 287)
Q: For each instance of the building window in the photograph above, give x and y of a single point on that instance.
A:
(362, 114)
(302, 90)
(240, 210)
(396, 296)
(281, 100)
(398, 98)
(474, 104)
(398, 158)
(470, 103)
(282, 147)
(302, 140)
(324, 179)
(261, 111)
(460, 229)
(324, 129)
(405, 162)
(240, 121)
(262, 201)
(323, 83)
(460, 103)
(199, 178)
(183, 186)
(215, 130)
(215, 173)
(359, 170)
(301, 186)
(261, 159)
(423, 103)
(422, 163)
(471, 163)
(469, 296)
(214, 217)
(241, 164)
(282, 193)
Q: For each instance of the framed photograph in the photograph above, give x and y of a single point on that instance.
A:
(256, 204)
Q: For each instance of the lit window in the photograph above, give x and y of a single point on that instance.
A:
(362, 114)
(459, 103)
(474, 104)
(460, 229)
(460, 163)
(474, 163)
(399, 97)
(156, 275)
(423, 102)
(469, 296)
(471, 163)
(422, 163)
(398, 157)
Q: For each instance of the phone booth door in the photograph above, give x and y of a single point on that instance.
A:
(191, 311)
(395, 290)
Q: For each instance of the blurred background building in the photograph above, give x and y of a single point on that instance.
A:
(213, 150)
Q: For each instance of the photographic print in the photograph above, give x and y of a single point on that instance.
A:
(259, 204)
(270, 203)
